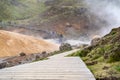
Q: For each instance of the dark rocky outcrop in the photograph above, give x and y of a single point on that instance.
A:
(2, 65)
(65, 47)
(95, 41)
(22, 59)
(22, 54)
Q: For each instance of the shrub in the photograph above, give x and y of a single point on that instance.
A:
(108, 47)
(37, 57)
(115, 55)
(84, 52)
(96, 56)
(100, 50)
(44, 52)
(65, 47)
(117, 67)
(113, 32)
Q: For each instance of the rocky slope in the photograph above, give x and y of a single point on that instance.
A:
(12, 44)
(103, 56)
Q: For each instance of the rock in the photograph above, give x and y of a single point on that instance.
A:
(95, 41)
(37, 57)
(3, 65)
(68, 24)
(83, 45)
(105, 68)
(108, 78)
(91, 63)
(115, 54)
(44, 54)
(22, 54)
(65, 47)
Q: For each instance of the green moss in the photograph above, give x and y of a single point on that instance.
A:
(113, 32)
(101, 59)
(107, 56)
(85, 58)
(99, 71)
(114, 57)
(96, 56)
(73, 54)
(20, 9)
(83, 53)
(100, 50)
(115, 53)
(117, 67)
(108, 47)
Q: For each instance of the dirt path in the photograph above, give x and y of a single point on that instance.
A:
(57, 67)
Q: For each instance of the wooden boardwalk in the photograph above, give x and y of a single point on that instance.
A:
(57, 67)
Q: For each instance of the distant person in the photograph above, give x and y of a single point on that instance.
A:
(60, 38)
(53, 34)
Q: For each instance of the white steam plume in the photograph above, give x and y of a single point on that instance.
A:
(106, 10)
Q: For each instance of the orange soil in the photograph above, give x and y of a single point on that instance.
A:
(12, 44)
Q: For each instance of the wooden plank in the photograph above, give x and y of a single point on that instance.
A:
(57, 67)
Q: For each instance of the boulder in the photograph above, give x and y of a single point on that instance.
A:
(83, 46)
(22, 54)
(65, 47)
(3, 65)
(95, 41)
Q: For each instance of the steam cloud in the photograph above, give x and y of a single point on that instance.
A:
(106, 10)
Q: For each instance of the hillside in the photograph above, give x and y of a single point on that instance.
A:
(103, 58)
(55, 17)
(12, 44)
(19, 9)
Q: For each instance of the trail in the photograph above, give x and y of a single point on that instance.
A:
(57, 67)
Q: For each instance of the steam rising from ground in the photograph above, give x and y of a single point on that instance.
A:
(107, 16)
(72, 42)
(106, 10)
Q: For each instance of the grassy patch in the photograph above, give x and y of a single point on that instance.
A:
(117, 67)
(40, 59)
(73, 54)
(102, 70)
(103, 59)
